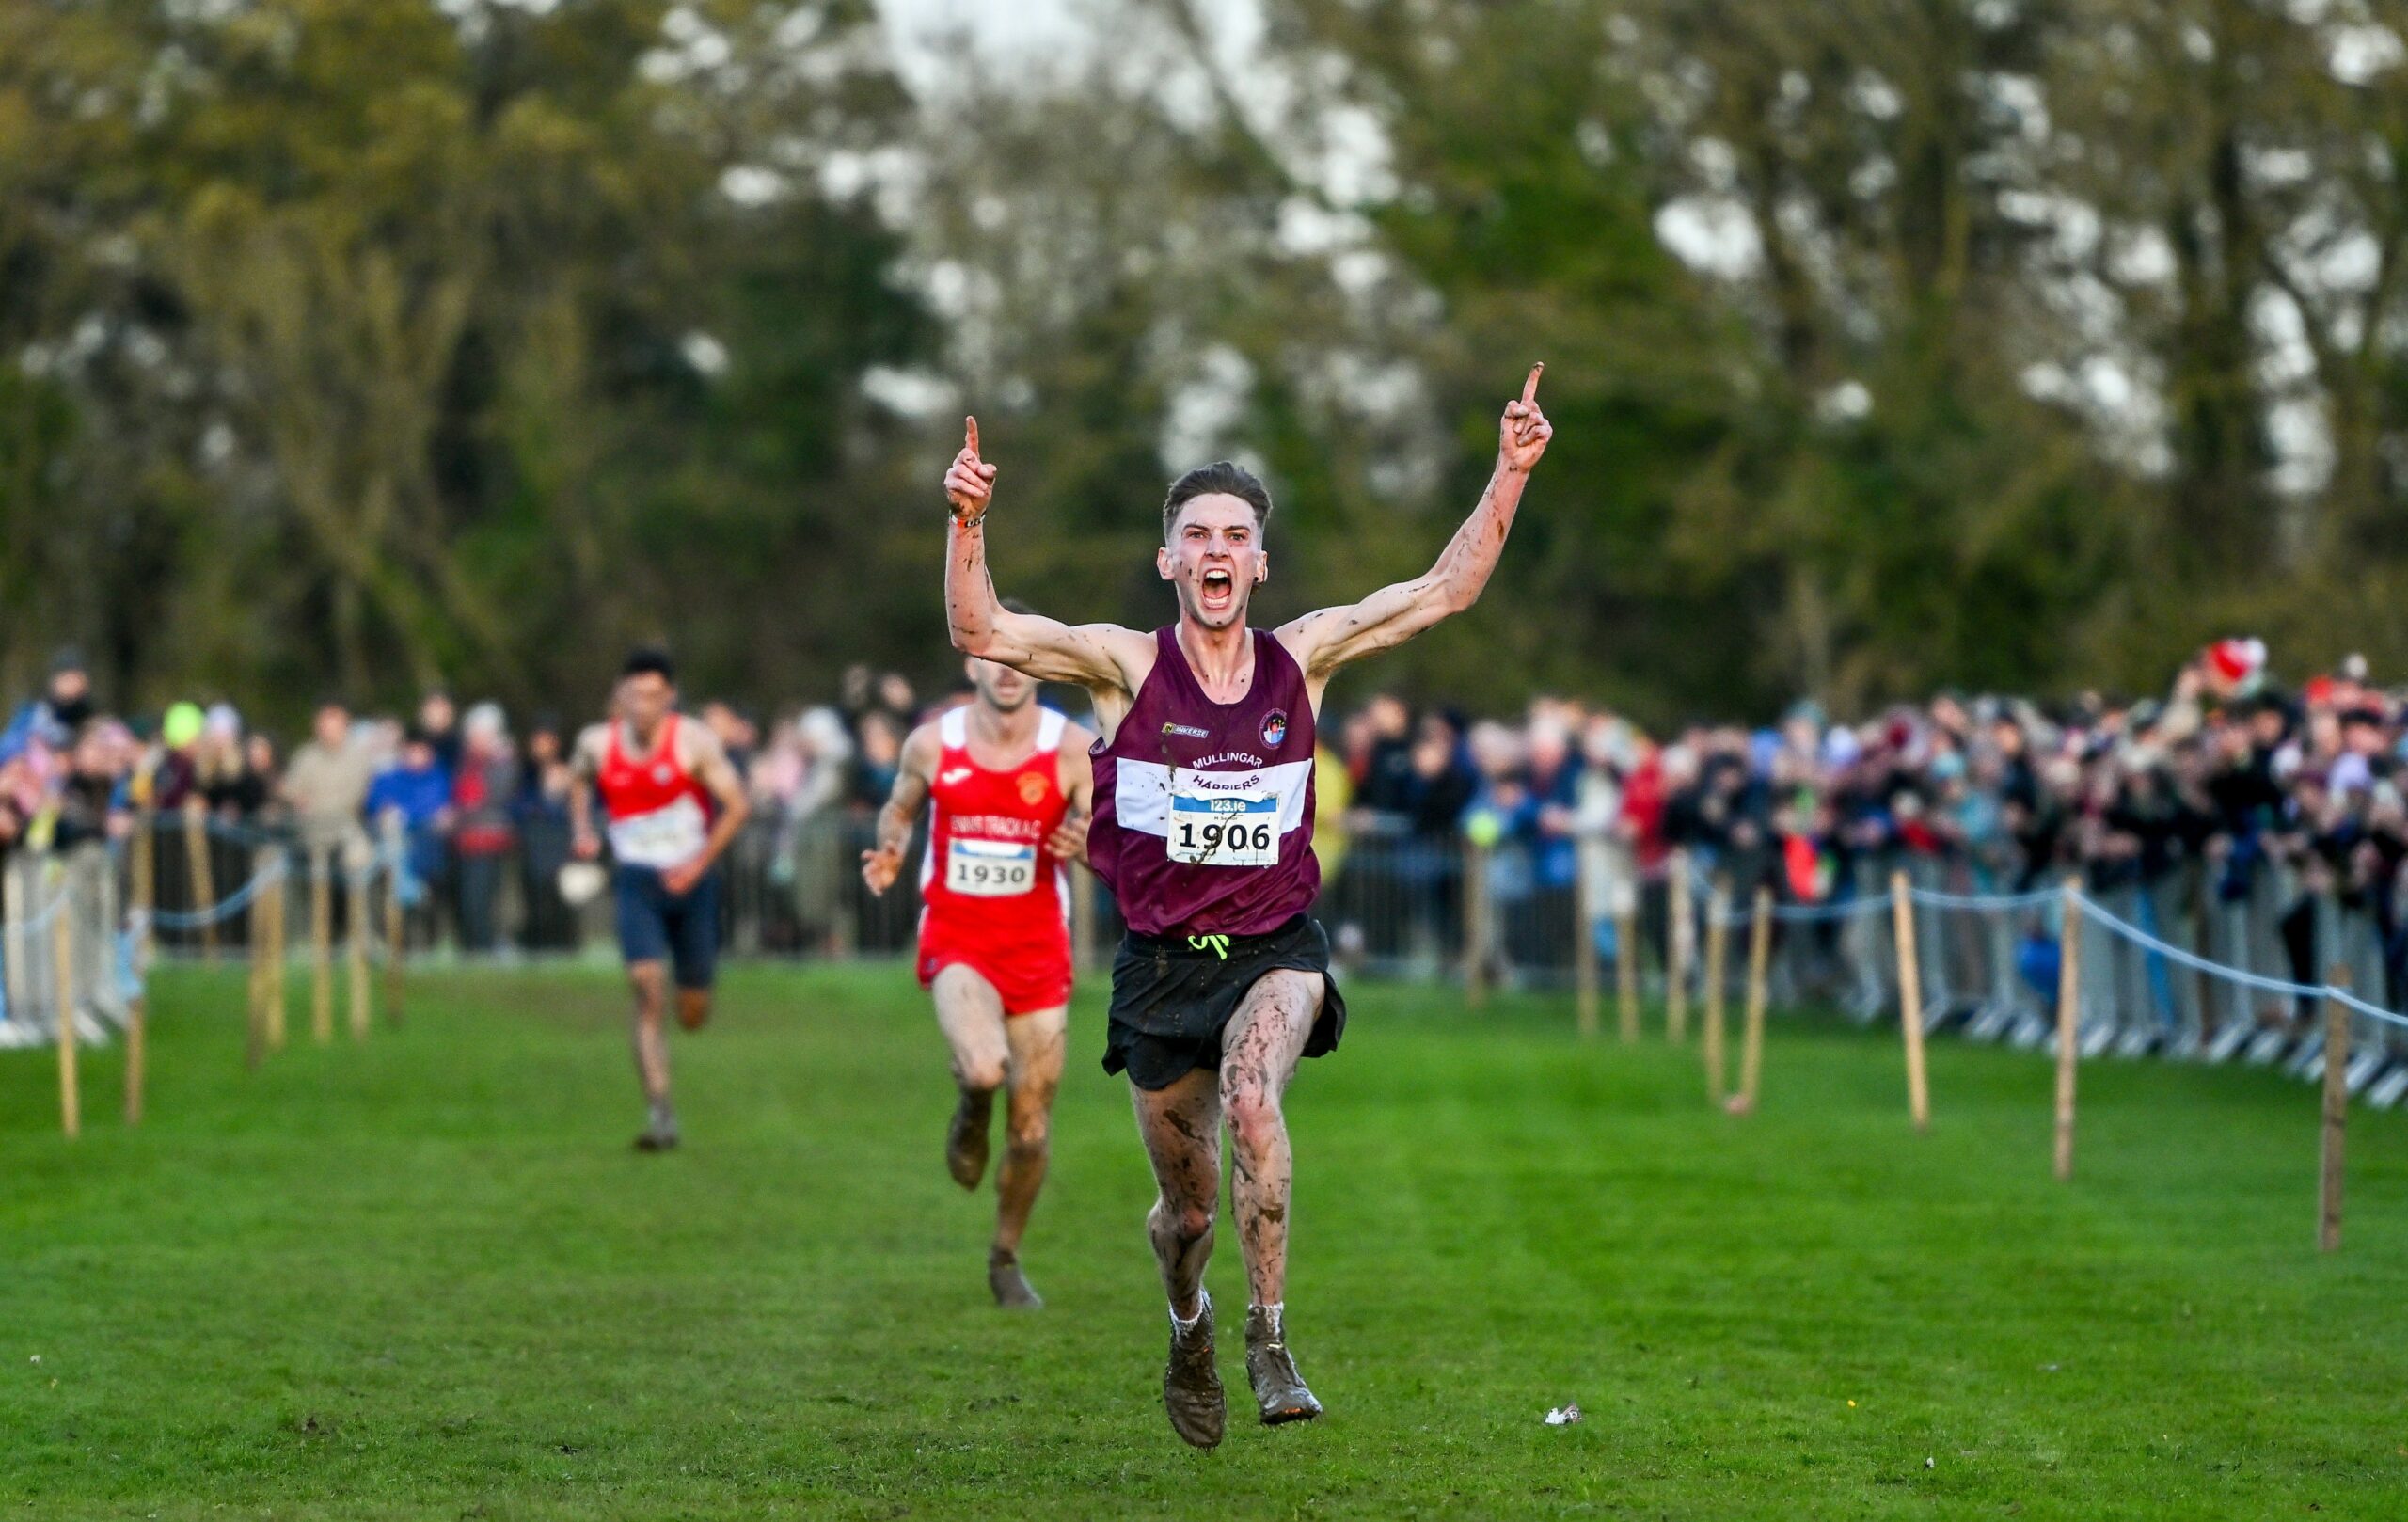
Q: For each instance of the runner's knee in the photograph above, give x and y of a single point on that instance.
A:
(649, 986)
(1252, 1110)
(693, 1007)
(1186, 1223)
(1028, 1142)
(1030, 1122)
(981, 1074)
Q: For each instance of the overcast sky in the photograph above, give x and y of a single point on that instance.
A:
(1004, 26)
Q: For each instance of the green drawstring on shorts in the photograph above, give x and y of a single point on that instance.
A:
(1217, 945)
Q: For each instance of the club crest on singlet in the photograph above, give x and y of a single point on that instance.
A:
(1275, 728)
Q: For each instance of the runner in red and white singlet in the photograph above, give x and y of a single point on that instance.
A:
(1203, 830)
(672, 802)
(1010, 789)
(994, 897)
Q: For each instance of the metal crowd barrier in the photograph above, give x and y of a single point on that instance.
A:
(2195, 962)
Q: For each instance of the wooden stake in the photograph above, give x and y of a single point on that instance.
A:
(1475, 924)
(203, 879)
(136, 1035)
(355, 907)
(1751, 1049)
(395, 937)
(145, 873)
(255, 1028)
(1584, 951)
(1681, 943)
(322, 950)
(71, 1107)
(2068, 1022)
(2336, 1114)
(1717, 951)
(278, 901)
(1902, 912)
(1627, 971)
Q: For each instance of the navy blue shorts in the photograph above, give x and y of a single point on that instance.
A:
(654, 922)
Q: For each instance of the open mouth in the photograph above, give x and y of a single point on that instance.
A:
(1218, 589)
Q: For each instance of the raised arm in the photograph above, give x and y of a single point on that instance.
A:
(1325, 641)
(1092, 655)
(914, 774)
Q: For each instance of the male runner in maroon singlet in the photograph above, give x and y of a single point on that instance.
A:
(1203, 828)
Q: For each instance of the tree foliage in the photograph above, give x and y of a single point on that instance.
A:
(1890, 343)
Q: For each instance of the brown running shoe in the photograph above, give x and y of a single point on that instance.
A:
(1191, 1384)
(965, 1139)
(1278, 1389)
(1011, 1286)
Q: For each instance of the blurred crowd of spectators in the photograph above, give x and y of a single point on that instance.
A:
(481, 808)
(2230, 784)
(2230, 789)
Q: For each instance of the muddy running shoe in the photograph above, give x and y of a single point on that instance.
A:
(1278, 1389)
(965, 1139)
(1191, 1384)
(1011, 1286)
(660, 1133)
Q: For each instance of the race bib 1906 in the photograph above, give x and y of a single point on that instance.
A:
(1224, 829)
(989, 868)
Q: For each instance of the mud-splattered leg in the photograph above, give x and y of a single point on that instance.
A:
(971, 1014)
(1037, 1045)
(1259, 1051)
(1181, 1127)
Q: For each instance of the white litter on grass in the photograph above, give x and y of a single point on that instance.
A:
(1563, 1415)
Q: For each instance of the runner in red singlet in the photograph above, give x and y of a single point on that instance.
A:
(673, 801)
(1010, 789)
(1203, 830)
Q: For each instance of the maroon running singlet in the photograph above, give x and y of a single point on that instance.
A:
(1204, 811)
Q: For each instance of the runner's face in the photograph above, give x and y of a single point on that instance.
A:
(1001, 687)
(644, 699)
(1215, 560)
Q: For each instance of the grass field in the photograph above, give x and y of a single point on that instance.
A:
(427, 1278)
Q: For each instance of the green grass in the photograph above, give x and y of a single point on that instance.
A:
(426, 1277)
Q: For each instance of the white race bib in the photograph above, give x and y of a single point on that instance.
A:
(989, 869)
(669, 836)
(1232, 829)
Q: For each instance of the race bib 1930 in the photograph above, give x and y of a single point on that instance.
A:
(1224, 829)
(989, 868)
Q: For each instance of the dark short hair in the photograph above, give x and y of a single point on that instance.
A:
(650, 661)
(1222, 478)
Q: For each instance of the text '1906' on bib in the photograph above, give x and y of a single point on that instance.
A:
(1224, 829)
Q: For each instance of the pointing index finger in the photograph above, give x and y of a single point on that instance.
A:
(1530, 387)
(969, 432)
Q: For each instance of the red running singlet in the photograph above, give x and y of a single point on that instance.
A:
(992, 897)
(659, 811)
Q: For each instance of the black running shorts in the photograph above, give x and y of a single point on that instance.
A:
(1172, 996)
